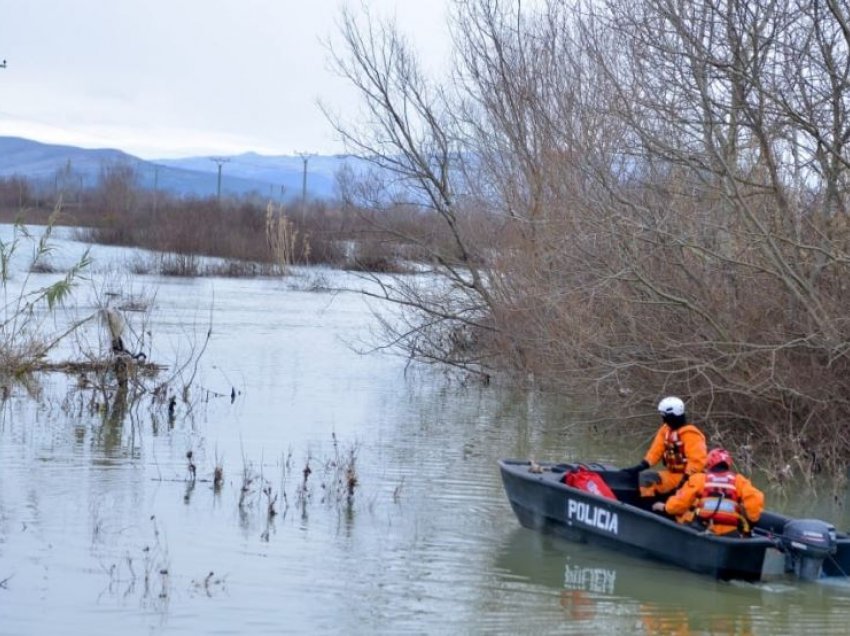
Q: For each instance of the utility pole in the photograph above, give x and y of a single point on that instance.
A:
(305, 157)
(220, 161)
(155, 187)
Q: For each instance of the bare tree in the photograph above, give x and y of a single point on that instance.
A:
(644, 197)
(407, 133)
(117, 191)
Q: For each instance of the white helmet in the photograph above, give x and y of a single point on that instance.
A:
(671, 406)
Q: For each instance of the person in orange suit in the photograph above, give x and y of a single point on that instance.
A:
(679, 444)
(719, 500)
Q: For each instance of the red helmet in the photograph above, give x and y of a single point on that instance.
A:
(718, 456)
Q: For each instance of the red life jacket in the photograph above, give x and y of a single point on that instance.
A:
(674, 452)
(720, 502)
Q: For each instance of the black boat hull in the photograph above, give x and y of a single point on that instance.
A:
(541, 501)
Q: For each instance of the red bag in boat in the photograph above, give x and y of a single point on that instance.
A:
(587, 480)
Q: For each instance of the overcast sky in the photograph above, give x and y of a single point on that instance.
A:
(172, 78)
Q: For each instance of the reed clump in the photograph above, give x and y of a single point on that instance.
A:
(218, 477)
(152, 569)
(28, 329)
(260, 500)
(281, 237)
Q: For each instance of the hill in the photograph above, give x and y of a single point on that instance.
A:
(282, 170)
(278, 177)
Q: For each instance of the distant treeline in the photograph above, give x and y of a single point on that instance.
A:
(115, 211)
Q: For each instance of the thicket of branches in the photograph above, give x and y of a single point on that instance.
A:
(645, 198)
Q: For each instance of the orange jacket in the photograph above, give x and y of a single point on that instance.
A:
(691, 443)
(684, 502)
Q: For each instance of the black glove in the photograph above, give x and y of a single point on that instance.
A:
(634, 470)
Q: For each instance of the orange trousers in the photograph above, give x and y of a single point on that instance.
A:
(659, 482)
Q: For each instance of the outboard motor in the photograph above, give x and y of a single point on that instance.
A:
(806, 543)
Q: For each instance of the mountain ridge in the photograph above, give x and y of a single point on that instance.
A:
(246, 174)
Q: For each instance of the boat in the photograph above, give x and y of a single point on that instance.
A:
(779, 546)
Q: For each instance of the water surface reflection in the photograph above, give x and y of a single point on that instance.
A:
(103, 530)
(603, 591)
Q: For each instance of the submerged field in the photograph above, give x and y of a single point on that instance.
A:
(303, 486)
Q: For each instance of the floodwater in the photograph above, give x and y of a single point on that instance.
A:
(102, 531)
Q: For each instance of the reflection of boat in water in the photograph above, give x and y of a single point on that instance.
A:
(604, 591)
(564, 565)
(779, 547)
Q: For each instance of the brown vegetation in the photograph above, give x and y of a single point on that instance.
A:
(111, 369)
(249, 238)
(642, 198)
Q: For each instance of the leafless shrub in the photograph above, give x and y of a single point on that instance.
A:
(248, 479)
(155, 572)
(397, 491)
(339, 479)
(266, 239)
(237, 269)
(140, 265)
(190, 466)
(218, 476)
(376, 256)
(182, 265)
(271, 501)
(303, 491)
(210, 584)
(42, 266)
(640, 198)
